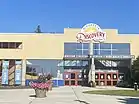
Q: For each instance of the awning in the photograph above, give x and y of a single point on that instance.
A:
(85, 57)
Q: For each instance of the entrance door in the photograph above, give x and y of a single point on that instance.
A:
(72, 78)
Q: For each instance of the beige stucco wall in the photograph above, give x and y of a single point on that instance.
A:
(51, 46)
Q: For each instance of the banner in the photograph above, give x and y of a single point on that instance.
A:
(18, 72)
(5, 67)
(17, 76)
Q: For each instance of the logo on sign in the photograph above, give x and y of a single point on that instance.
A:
(91, 32)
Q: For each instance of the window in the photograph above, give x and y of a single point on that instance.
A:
(18, 45)
(70, 48)
(105, 46)
(96, 52)
(10, 45)
(105, 52)
(121, 52)
(79, 63)
(69, 52)
(96, 46)
(120, 46)
(85, 52)
(76, 48)
(5, 44)
(120, 49)
(79, 45)
(85, 46)
(85, 63)
(79, 52)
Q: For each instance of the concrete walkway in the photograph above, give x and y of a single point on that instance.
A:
(63, 95)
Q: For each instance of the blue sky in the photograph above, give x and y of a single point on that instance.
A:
(54, 15)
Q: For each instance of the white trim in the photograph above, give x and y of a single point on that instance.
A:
(111, 49)
(82, 48)
(99, 48)
(106, 49)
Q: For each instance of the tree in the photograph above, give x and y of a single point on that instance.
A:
(135, 69)
(135, 65)
(38, 29)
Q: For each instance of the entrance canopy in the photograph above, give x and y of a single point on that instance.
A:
(86, 57)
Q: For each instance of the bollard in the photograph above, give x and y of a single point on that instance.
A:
(135, 86)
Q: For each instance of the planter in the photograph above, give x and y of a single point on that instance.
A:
(40, 93)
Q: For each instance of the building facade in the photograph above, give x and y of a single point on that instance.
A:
(22, 53)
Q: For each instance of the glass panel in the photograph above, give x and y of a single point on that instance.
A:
(72, 82)
(79, 82)
(85, 46)
(79, 45)
(72, 75)
(121, 52)
(18, 44)
(79, 52)
(105, 52)
(12, 45)
(96, 52)
(85, 63)
(105, 46)
(120, 46)
(70, 63)
(96, 45)
(85, 52)
(5, 44)
(70, 52)
(1, 45)
(73, 63)
(79, 63)
(70, 46)
(66, 82)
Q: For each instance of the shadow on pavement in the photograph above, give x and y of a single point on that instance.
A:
(82, 101)
(129, 101)
(32, 96)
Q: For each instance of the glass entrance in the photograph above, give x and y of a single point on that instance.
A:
(109, 71)
(75, 70)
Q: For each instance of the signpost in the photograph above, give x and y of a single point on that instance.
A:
(89, 33)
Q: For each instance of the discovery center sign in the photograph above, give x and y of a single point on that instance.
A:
(91, 32)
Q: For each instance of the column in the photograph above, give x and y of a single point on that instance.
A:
(23, 72)
(92, 65)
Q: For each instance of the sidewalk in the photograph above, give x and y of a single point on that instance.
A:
(15, 96)
(100, 99)
(62, 95)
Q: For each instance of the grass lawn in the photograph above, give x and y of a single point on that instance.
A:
(115, 92)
